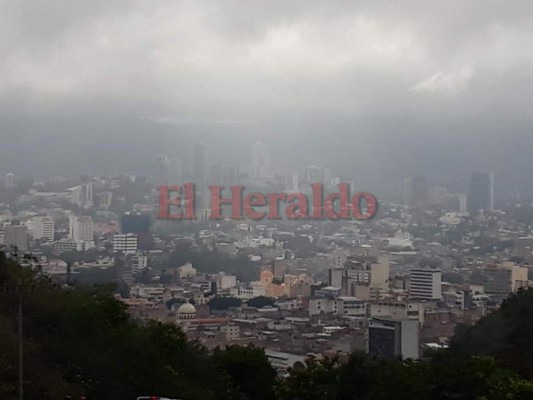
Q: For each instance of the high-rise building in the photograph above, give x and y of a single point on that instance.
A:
(365, 277)
(390, 337)
(425, 284)
(42, 228)
(260, 161)
(420, 192)
(9, 180)
(437, 195)
(125, 243)
(16, 236)
(162, 170)
(139, 262)
(199, 166)
(81, 228)
(82, 195)
(481, 192)
(105, 200)
(135, 223)
(168, 171)
(87, 189)
(292, 182)
(317, 174)
(407, 192)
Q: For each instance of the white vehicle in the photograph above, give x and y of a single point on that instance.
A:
(154, 398)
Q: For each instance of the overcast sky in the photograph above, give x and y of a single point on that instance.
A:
(401, 86)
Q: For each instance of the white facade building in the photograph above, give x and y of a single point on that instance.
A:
(139, 262)
(81, 228)
(125, 243)
(425, 284)
(343, 305)
(246, 292)
(42, 228)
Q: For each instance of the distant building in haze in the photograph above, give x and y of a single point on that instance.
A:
(42, 228)
(81, 228)
(481, 192)
(199, 166)
(260, 161)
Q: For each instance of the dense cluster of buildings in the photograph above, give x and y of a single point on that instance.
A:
(392, 286)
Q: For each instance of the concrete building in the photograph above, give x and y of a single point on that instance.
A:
(391, 338)
(125, 243)
(481, 192)
(246, 292)
(230, 332)
(425, 284)
(364, 277)
(397, 309)
(81, 228)
(341, 306)
(42, 228)
(139, 262)
(64, 245)
(505, 278)
(186, 271)
(225, 281)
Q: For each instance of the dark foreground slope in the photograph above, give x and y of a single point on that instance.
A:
(82, 341)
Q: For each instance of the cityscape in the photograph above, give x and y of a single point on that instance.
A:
(266, 201)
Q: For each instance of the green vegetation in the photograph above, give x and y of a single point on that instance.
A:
(82, 341)
(261, 301)
(223, 303)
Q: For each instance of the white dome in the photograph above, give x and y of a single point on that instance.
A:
(187, 309)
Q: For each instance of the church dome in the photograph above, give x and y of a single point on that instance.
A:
(186, 311)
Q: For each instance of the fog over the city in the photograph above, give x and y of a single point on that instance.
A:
(378, 90)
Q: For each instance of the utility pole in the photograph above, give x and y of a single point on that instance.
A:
(21, 349)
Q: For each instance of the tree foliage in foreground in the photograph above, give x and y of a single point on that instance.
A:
(82, 341)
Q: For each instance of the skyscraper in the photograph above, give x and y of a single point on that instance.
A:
(407, 192)
(162, 170)
(81, 228)
(425, 284)
(481, 192)
(43, 228)
(168, 171)
(199, 166)
(260, 161)
(420, 192)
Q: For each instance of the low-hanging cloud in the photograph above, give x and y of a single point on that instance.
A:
(328, 78)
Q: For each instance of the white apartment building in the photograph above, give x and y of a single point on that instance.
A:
(246, 292)
(139, 262)
(64, 245)
(425, 284)
(42, 228)
(343, 305)
(81, 228)
(125, 243)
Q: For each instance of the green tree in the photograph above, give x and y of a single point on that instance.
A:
(251, 374)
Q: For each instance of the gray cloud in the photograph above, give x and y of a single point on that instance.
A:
(333, 77)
